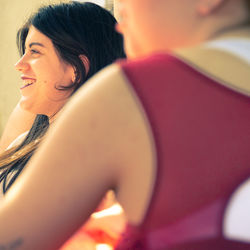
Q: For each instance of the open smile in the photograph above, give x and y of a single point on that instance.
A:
(27, 82)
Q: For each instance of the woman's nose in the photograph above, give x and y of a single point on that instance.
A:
(21, 64)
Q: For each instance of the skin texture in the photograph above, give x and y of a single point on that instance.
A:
(102, 139)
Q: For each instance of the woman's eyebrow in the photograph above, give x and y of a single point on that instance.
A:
(35, 43)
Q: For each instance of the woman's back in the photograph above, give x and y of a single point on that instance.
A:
(202, 138)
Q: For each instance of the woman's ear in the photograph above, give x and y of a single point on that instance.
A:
(85, 62)
(206, 7)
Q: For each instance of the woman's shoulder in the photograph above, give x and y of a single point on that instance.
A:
(225, 61)
(155, 58)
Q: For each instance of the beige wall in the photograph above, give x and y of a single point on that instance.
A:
(115, 9)
(12, 15)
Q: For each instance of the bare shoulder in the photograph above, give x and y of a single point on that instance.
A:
(107, 119)
(126, 131)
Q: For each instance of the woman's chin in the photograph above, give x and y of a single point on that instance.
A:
(26, 105)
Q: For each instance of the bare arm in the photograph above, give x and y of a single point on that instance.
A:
(18, 122)
(84, 155)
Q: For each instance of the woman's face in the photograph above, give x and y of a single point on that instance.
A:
(43, 71)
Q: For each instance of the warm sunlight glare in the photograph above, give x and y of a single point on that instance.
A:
(113, 210)
(103, 247)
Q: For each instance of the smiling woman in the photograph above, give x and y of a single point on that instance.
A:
(43, 72)
(61, 46)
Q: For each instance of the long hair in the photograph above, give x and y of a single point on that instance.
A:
(13, 161)
(75, 29)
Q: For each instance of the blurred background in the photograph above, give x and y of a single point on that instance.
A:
(12, 15)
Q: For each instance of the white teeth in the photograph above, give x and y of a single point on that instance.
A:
(28, 81)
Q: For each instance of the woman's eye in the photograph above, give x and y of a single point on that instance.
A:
(33, 51)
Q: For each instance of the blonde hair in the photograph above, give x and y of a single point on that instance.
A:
(12, 155)
(12, 161)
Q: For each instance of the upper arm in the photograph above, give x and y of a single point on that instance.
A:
(88, 151)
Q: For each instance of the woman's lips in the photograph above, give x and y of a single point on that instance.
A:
(27, 82)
